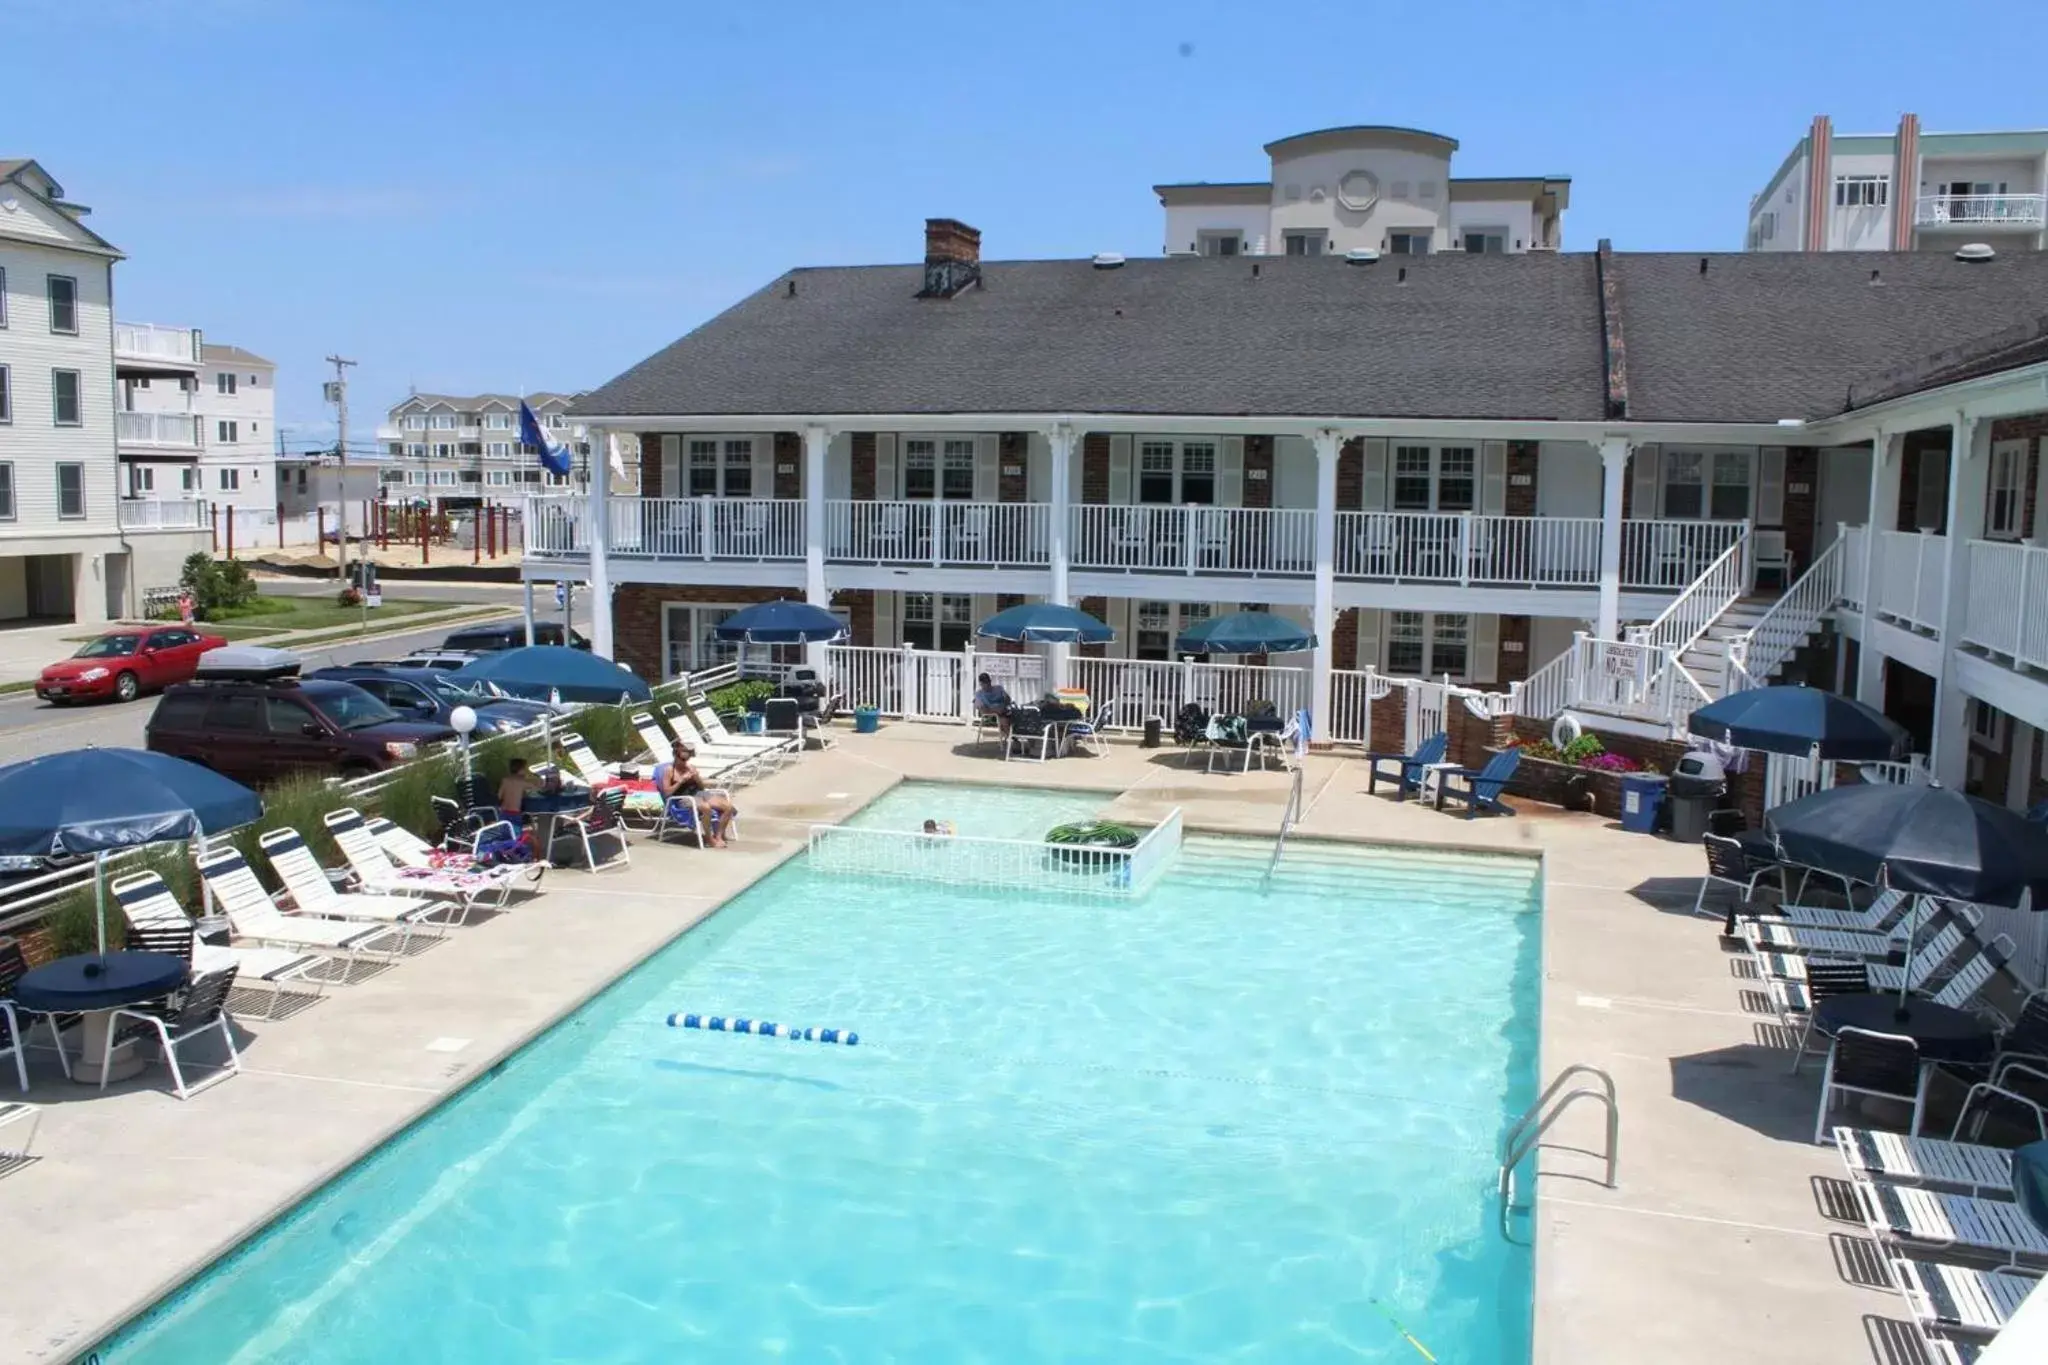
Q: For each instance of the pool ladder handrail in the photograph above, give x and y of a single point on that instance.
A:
(1526, 1133)
(1288, 819)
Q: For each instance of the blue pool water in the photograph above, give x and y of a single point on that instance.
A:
(1215, 1123)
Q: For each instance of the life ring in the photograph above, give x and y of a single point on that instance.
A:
(1070, 841)
(1564, 731)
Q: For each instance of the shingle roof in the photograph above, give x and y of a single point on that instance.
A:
(1479, 336)
(218, 354)
(1758, 337)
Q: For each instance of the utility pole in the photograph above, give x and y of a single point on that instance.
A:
(337, 394)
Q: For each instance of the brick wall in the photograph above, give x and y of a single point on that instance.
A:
(1258, 471)
(1351, 475)
(1521, 496)
(860, 610)
(1802, 472)
(1514, 663)
(861, 459)
(1004, 601)
(1013, 451)
(1546, 782)
(636, 617)
(1918, 448)
(1344, 639)
(650, 465)
(789, 465)
(2030, 428)
(1095, 467)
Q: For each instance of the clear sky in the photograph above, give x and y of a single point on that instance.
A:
(465, 195)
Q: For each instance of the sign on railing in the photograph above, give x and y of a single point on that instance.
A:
(998, 864)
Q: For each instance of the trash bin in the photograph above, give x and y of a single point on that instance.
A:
(1698, 782)
(866, 720)
(1152, 728)
(1641, 795)
(214, 930)
(1689, 817)
(756, 722)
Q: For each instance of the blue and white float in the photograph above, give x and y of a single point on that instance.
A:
(719, 1023)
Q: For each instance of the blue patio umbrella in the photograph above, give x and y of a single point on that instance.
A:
(98, 801)
(1802, 721)
(547, 672)
(781, 623)
(1244, 632)
(1047, 623)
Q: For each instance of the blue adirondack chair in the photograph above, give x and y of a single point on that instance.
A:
(1407, 774)
(1478, 787)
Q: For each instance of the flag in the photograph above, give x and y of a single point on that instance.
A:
(555, 459)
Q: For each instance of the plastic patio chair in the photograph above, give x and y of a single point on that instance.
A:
(1407, 776)
(1479, 787)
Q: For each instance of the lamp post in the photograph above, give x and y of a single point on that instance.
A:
(463, 718)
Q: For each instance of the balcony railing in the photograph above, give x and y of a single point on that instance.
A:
(1279, 541)
(1981, 210)
(1912, 579)
(672, 528)
(2008, 611)
(147, 341)
(1006, 534)
(1468, 548)
(158, 430)
(167, 514)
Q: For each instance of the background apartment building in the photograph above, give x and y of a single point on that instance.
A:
(1364, 188)
(1905, 191)
(197, 420)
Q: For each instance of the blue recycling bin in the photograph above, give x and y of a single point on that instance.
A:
(866, 720)
(1642, 795)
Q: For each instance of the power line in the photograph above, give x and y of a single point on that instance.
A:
(337, 394)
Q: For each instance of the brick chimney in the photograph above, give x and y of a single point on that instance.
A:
(952, 258)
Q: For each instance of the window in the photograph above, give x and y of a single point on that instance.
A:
(1219, 243)
(444, 477)
(415, 421)
(71, 491)
(188, 479)
(141, 479)
(1158, 623)
(498, 478)
(1304, 243)
(443, 421)
(64, 397)
(1682, 485)
(1484, 241)
(1435, 478)
(722, 468)
(499, 450)
(498, 421)
(230, 480)
(419, 478)
(224, 383)
(302, 479)
(444, 450)
(1988, 726)
(938, 469)
(1176, 472)
(1424, 644)
(391, 476)
(1862, 191)
(1408, 243)
(1730, 498)
(7, 491)
(2004, 499)
(63, 304)
(416, 450)
(187, 384)
(226, 432)
(6, 396)
(3, 297)
(938, 620)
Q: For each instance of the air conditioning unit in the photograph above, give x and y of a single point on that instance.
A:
(1361, 255)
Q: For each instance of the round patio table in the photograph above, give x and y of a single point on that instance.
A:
(93, 986)
(1943, 1034)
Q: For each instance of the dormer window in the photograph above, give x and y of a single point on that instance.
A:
(1306, 243)
(1220, 243)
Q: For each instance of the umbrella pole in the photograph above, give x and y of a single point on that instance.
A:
(1900, 1013)
(99, 897)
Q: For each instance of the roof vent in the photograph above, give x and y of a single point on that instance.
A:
(1107, 260)
(1361, 255)
(1975, 252)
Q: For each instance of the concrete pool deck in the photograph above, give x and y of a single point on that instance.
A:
(1715, 1234)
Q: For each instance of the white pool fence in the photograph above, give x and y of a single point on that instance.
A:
(998, 864)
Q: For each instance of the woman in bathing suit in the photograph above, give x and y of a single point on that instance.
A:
(678, 779)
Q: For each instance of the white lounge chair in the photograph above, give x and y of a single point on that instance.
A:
(1938, 1163)
(13, 1112)
(255, 916)
(1930, 954)
(1768, 933)
(313, 893)
(372, 869)
(778, 751)
(589, 767)
(1888, 909)
(1958, 1300)
(415, 858)
(728, 766)
(1863, 1062)
(1917, 1219)
(147, 903)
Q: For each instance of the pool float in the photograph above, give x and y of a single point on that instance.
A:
(1071, 842)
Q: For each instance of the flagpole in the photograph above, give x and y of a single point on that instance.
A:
(599, 465)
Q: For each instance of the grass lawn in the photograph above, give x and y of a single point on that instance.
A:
(270, 615)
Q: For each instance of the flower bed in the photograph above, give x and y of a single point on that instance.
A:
(1584, 776)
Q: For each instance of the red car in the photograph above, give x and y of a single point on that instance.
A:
(122, 663)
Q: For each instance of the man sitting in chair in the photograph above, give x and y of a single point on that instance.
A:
(991, 700)
(677, 779)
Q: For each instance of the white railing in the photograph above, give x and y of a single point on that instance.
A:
(1465, 547)
(998, 864)
(1675, 554)
(1702, 602)
(1548, 691)
(1787, 778)
(1128, 691)
(866, 676)
(2008, 609)
(1912, 578)
(761, 529)
(170, 514)
(1190, 540)
(179, 429)
(1913, 772)
(147, 341)
(938, 533)
(1979, 210)
(1780, 632)
(1855, 542)
(1352, 693)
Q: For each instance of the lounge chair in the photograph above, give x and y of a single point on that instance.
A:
(372, 869)
(604, 820)
(1862, 1062)
(1730, 866)
(778, 751)
(152, 911)
(1765, 937)
(729, 767)
(1930, 1220)
(1888, 909)
(13, 1112)
(255, 916)
(590, 769)
(13, 1041)
(465, 828)
(723, 763)
(2026, 1042)
(1227, 735)
(1407, 774)
(1960, 1300)
(1930, 954)
(414, 858)
(312, 893)
(1940, 1163)
(1794, 1001)
(201, 1008)
(680, 813)
(1479, 788)
(1029, 729)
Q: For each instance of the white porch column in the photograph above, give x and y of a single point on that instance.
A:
(1885, 469)
(1614, 453)
(600, 468)
(527, 598)
(1060, 441)
(1323, 619)
(817, 442)
(1969, 472)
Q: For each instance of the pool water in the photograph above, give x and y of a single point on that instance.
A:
(1218, 1122)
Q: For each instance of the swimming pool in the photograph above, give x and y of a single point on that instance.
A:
(1212, 1122)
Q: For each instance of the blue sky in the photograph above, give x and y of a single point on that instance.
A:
(464, 195)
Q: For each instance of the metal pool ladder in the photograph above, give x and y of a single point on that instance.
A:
(1288, 819)
(1527, 1131)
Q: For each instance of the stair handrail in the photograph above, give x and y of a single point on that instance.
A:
(1684, 693)
(1288, 819)
(1780, 631)
(1680, 625)
(1548, 691)
(1526, 1132)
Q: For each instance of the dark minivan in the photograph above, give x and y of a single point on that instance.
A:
(256, 725)
(510, 635)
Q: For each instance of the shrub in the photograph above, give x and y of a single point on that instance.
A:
(237, 585)
(70, 923)
(348, 597)
(298, 802)
(1584, 747)
(408, 798)
(609, 730)
(735, 698)
(200, 577)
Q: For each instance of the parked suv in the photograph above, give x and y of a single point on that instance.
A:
(510, 635)
(429, 694)
(256, 721)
